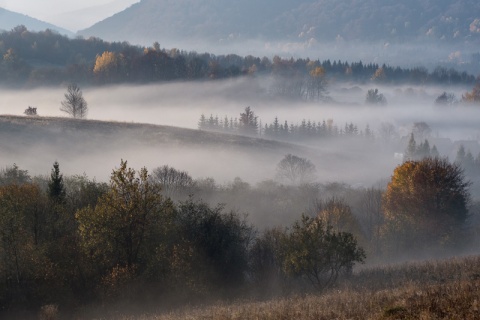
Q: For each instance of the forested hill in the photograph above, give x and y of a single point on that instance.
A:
(48, 58)
(456, 21)
(9, 20)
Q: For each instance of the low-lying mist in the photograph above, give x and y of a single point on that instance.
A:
(181, 105)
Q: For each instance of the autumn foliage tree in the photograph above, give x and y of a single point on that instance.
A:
(316, 90)
(473, 96)
(425, 203)
(109, 66)
(129, 218)
(337, 214)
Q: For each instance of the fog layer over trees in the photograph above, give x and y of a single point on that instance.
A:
(243, 183)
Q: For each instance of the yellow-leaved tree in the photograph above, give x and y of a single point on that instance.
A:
(473, 96)
(425, 205)
(127, 230)
(109, 66)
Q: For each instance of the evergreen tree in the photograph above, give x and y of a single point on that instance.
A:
(248, 122)
(423, 150)
(56, 189)
(226, 126)
(434, 152)
(469, 162)
(368, 132)
(276, 127)
(411, 149)
(202, 123)
(460, 159)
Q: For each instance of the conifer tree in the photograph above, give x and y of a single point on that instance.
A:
(411, 149)
(460, 159)
(434, 152)
(56, 189)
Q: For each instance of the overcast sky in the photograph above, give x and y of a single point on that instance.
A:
(69, 14)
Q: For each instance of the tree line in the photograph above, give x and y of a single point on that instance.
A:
(72, 241)
(249, 124)
(42, 58)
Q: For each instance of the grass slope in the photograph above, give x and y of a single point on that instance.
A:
(37, 128)
(448, 289)
(95, 147)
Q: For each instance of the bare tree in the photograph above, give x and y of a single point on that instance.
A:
(388, 132)
(295, 170)
(172, 180)
(74, 103)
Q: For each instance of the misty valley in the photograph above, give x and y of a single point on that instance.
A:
(155, 183)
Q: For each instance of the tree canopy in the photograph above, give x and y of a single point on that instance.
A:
(427, 200)
(295, 170)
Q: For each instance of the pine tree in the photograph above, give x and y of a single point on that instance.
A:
(276, 127)
(226, 126)
(56, 189)
(248, 122)
(368, 132)
(411, 149)
(434, 152)
(423, 150)
(460, 159)
(202, 123)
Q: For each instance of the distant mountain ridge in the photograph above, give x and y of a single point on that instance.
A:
(451, 21)
(10, 19)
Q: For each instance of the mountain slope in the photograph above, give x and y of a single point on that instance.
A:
(86, 16)
(10, 19)
(322, 20)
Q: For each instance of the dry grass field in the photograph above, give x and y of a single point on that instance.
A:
(447, 289)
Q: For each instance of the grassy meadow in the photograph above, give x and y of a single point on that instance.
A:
(444, 289)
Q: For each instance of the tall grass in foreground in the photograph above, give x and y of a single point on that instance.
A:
(431, 290)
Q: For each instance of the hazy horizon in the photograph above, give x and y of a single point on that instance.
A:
(70, 15)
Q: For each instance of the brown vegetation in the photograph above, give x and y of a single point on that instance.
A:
(431, 290)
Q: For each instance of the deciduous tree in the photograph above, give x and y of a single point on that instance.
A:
(316, 252)
(295, 170)
(173, 181)
(375, 98)
(425, 202)
(74, 103)
(474, 95)
(117, 230)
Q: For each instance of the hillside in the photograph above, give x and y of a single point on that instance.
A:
(406, 21)
(95, 147)
(443, 289)
(9, 20)
(48, 127)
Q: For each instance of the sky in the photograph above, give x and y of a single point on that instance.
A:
(72, 15)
